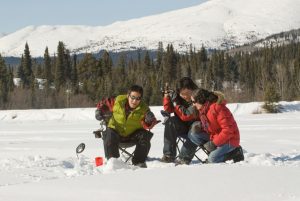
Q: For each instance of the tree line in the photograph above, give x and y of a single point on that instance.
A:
(266, 74)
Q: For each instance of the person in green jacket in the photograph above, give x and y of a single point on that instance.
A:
(130, 120)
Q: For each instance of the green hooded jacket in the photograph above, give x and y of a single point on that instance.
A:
(118, 121)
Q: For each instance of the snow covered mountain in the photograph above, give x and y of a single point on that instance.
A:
(214, 24)
(282, 38)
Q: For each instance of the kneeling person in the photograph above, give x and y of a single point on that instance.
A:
(217, 130)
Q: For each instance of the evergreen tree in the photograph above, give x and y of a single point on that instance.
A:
(230, 69)
(106, 63)
(107, 70)
(193, 66)
(268, 71)
(247, 76)
(3, 82)
(147, 61)
(87, 74)
(47, 69)
(10, 83)
(74, 75)
(88, 68)
(119, 74)
(139, 57)
(296, 73)
(203, 55)
(218, 69)
(159, 57)
(184, 67)
(20, 72)
(147, 93)
(33, 97)
(169, 65)
(67, 65)
(271, 97)
(209, 82)
(27, 67)
(39, 72)
(122, 65)
(202, 60)
(59, 78)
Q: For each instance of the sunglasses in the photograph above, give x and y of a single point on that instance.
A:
(135, 98)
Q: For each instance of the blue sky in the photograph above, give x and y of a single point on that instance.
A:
(16, 14)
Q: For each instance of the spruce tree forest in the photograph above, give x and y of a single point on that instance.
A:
(267, 74)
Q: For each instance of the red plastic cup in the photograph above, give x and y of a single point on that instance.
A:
(99, 161)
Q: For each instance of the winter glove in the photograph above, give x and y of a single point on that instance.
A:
(98, 115)
(103, 114)
(210, 146)
(196, 127)
(174, 98)
(104, 109)
(166, 116)
(149, 121)
(166, 89)
(149, 117)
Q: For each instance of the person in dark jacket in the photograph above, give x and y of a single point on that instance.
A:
(177, 103)
(129, 119)
(216, 130)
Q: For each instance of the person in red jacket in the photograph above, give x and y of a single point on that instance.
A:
(179, 103)
(217, 130)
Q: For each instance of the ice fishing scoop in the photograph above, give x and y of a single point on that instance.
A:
(80, 148)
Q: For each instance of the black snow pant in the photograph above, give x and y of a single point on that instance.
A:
(141, 138)
(174, 127)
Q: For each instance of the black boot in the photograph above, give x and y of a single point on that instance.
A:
(236, 155)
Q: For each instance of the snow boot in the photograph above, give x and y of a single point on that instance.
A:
(167, 159)
(236, 155)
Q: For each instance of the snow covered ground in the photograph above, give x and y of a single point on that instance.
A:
(38, 161)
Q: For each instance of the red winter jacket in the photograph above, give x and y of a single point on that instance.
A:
(222, 126)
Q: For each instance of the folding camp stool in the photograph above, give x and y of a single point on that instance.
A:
(123, 146)
(181, 139)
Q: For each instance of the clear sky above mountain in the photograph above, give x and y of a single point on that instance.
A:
(16, 14)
